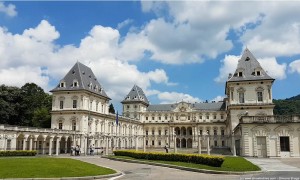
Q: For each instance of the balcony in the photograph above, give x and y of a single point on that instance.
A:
(271, 119)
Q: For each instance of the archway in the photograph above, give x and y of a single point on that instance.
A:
(189, 131)
(183, 130)
(183, 143)
(189, 143)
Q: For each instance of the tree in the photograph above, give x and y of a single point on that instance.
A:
(111, 109)
(41, 118)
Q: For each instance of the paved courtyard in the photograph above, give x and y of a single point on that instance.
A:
(273, 169)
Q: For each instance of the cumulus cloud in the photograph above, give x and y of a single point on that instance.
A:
(124, 23)
(24, 58)
(172, 97)
(295, 66)
(270, 65)
(9, 10)
(218, 98)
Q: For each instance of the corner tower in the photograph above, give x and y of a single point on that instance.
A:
(249, 90)
(77, 100)
(135, 103)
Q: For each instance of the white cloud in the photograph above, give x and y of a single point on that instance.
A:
(218, 98)
(273, 68)
(124, 23)
(9, 10)
(35, 49)
(172, 97)
(270, 65)
(17, 76)
(295, 66)
(229, 64)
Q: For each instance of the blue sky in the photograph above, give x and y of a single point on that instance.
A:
(173, 50)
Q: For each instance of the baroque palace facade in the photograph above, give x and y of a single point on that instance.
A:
(243, 123)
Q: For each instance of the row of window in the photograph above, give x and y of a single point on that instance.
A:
(259, 95)
(178, 145)
(188, 117)
(60, 125)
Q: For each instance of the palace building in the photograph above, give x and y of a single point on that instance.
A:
(242, 124)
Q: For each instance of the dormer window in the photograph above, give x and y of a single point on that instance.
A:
(240, 74)
(62, 84)
(258, 73)
(247, 58)
(75, 83)
(96, 88)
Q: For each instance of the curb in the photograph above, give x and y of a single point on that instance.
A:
(186, 168)
(71, 178)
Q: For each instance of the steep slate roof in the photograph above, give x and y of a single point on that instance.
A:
(248, 64)
(85, 78)
(136, 94)
(214, 106)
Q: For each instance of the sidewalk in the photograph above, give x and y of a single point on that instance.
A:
(267, 164)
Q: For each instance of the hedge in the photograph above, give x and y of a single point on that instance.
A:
(17, 153)
(215, 161)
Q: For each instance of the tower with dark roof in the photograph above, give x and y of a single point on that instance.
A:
(249, 90)
(77, 100)
(135, 102)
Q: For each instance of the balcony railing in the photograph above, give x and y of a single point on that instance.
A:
(270, 119)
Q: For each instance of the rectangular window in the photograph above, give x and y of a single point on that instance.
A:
(259, 96)
(152, 132)
(61, 104)
(146, 133)
(222, 117)
(152, 118)
(216, 143)
(200, 132)
(152, 143)
(166, 117)
(189, 117)
(60, 125)
(215, 132)
(284, 143)
(159, 132)
(215, 117)
(231, 95)
(74, 103)
(74, 126)
(159, 143)
(207, 117)
(223, 143)
(241, 97)
(222, 132)
(146, 142)
(146, 118)
(166, 132)
(200, 117)
(159, 118)
(240, 74)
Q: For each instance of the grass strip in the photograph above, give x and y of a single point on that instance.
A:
(235, 164)
(42, 167)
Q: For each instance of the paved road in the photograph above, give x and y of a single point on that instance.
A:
(133, 171)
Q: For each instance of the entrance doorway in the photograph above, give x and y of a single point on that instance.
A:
(261, 147)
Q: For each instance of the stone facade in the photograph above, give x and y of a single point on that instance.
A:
(242, 123)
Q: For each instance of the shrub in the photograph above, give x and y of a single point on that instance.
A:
(18, 153)
(215, 161)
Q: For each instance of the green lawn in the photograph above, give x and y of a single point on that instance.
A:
(48, 168)
(238, 164)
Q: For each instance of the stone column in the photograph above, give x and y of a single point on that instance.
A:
(57, 145)
(175, 145)
(66, 146)
(24, 144)
(144, 144)
(136, 143)
(43, 146)
(106, 146)
(233, 144)
(30, 144)
(208, 148)
(199, 145)
(50, 146)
